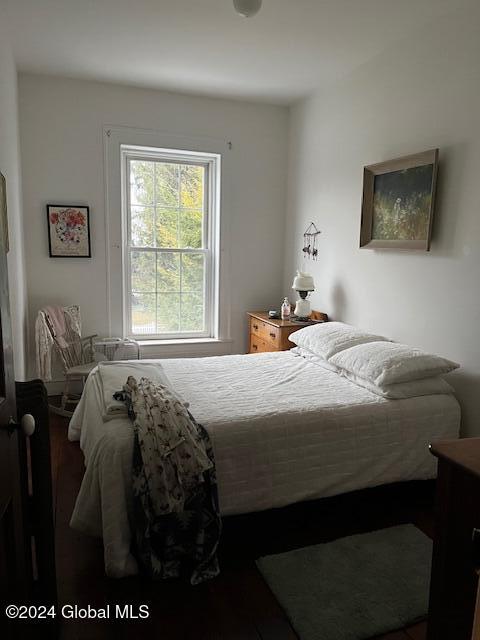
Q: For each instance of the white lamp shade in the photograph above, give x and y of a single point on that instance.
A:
(247, 8)
(303, 282)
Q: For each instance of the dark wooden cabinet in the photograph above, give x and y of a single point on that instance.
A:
(454, 580)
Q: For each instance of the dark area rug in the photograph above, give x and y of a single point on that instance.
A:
(353, 588)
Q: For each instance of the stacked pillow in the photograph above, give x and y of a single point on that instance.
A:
(325, 339)
(389, 369)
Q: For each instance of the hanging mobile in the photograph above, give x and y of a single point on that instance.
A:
(310, 241)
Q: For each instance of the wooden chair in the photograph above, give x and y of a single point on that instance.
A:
(76, 355)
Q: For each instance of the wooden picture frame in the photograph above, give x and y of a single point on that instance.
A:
(68, 231)
(398, 202)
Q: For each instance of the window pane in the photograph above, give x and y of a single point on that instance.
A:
(192, 178)
(143, 313)
(191, 228)
(193, 272)
(168, 313)
(167, 228)
(142, 266)
(168, 272)
(192, 317)
(191, 186)
(167, 184)
(142, 226)
(141, 182)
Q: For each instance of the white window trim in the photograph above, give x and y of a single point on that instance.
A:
(212, 163)
(114, 137)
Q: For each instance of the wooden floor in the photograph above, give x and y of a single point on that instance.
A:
(237, 605)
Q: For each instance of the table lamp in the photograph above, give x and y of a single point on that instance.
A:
(303, 284)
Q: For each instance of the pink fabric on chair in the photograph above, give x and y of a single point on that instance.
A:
(56, 319)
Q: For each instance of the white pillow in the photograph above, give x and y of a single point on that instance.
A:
(383, 363)
(312, 357)
(328, 338)
(399, 390)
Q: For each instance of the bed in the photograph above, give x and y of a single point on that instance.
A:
(283, 430)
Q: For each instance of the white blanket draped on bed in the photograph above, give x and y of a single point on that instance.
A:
(283, 430)
(113, 375)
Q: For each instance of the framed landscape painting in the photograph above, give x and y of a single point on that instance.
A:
(68, 231)
(398, 202)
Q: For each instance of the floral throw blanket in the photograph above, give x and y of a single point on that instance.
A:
(177, 520)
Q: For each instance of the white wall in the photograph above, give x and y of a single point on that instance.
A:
(421, 94)
(10, 167)
(61, 124)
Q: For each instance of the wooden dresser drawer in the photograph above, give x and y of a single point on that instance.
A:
(257, 345)
(265, 331)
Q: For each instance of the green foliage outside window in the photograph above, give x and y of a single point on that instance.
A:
(166, 212)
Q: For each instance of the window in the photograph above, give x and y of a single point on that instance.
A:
(170, 201)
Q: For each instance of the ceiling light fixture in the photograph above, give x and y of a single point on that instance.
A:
(247, 8)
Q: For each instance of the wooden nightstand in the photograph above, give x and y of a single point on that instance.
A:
(453, 584)
(268, 334)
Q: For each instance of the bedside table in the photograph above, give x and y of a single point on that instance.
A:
(270, 334)
(453, 585)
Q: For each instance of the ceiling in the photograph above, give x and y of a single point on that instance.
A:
(202, 46)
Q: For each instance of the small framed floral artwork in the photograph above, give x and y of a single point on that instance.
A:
(68, 231)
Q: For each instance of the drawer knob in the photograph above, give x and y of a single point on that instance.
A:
(255, 326)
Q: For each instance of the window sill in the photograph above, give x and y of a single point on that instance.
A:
(185, 341)
(186, 348)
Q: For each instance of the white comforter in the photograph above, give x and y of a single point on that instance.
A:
(283, 430)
